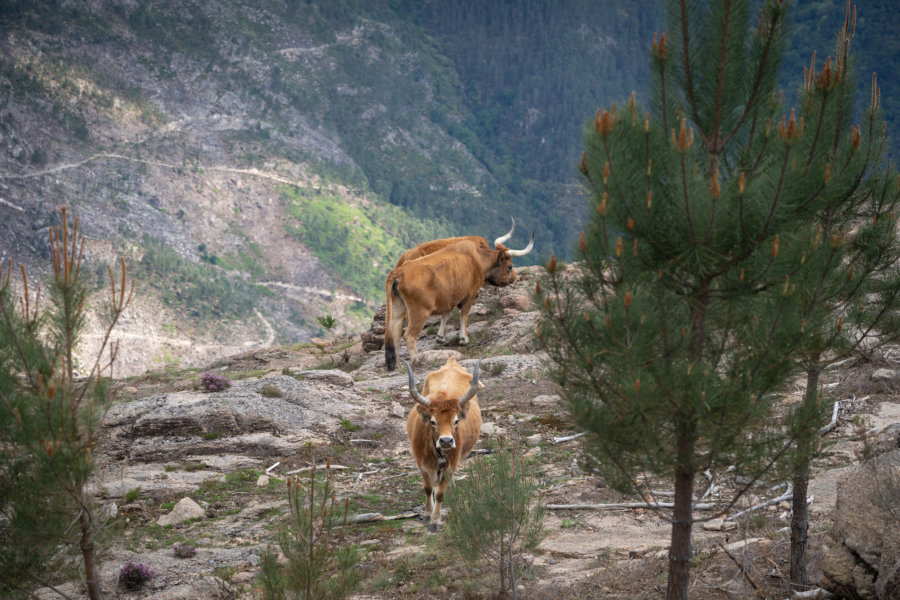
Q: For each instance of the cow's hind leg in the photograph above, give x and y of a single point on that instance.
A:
(464, 307)
(394, 332)
(417, 318)
(440, 334)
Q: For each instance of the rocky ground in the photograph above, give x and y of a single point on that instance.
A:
(231, 452)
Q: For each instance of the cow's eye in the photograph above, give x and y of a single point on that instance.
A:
(455, 421)
(433, 421)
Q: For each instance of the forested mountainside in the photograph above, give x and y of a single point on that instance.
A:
(260, 163)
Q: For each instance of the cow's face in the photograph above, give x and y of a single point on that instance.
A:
(443, 417)
(502, 272)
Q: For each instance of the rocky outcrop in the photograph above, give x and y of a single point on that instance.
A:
(222, 431)
(864, 562)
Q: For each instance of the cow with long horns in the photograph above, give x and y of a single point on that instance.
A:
(437, 283)
(443, 427)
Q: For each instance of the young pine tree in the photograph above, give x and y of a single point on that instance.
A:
(318, 564)
(50, 422)
(849, 292)
(692, 303)
(496, 513)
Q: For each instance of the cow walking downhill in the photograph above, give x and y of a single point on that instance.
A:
(443, 427)
(437, 283)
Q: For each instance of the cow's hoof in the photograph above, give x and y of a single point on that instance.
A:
(464, 341)
(434, 527)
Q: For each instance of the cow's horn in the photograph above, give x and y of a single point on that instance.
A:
(413, 392)
(525, 251)
(472, 388)
(504, 238)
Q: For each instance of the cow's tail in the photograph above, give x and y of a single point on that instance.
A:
(393, 323)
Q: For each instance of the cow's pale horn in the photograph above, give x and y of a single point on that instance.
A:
(524, 251)
(472, 388)
(413, 392)
(504, 238)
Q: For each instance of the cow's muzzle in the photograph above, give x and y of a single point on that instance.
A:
(445, 442)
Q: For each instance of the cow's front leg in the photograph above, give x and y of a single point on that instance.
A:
(436, 522)
(429, 495)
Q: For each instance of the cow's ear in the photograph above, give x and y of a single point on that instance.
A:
(423, 412)
(461, 415)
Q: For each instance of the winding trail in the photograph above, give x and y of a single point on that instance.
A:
(254, 172)
(312, 290)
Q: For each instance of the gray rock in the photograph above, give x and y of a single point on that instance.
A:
(864, 562)
(397, 410)
(548, 401)
(185, 509)
(533, 440)
(885, 375)
(491, 428)
(329, 376)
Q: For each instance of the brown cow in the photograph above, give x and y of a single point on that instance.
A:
(436, 284)
(426, 248)
(443, 428)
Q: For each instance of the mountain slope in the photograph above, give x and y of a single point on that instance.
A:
(261, 163)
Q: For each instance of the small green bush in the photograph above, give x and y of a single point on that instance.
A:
(271, 391)
(132, 495)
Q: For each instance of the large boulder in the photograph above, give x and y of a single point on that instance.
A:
(864, 562)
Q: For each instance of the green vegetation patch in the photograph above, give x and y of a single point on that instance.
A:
(354, 242)
(205, 292)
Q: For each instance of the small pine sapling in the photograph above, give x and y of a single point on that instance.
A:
(496, 513)
(319, 565)
(51, 408)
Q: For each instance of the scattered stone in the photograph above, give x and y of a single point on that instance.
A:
(491, 428)
(329, 376)
(518, 299)
(185, 510)
(740, 545)
(242, 577)
(263, 481)
(107, 512)
(546, 400)
(864, 562)
(534, 451)
(885, 375)
(397, 410)
(533, 440)
(719, 525)
(438, 357)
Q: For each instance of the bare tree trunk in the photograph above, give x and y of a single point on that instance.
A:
(800, 513)
(92, 582)
(680, 549)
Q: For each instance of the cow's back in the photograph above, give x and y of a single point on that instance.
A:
(426, 248)
(441, 280)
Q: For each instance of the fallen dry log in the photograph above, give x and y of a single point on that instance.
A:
(704, 506)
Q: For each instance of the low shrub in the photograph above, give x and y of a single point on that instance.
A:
(214, 383)
(133, 576)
